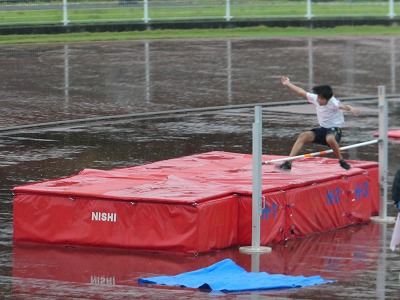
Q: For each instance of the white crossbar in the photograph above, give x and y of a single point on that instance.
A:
(320, 152)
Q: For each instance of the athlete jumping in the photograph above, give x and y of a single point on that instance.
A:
(330, 119)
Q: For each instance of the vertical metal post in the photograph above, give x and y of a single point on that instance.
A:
(66, 77)
(393, 64)
(255, 262)
(382, 264)
(257, 161)
(229, 69)
(257, 187)
(383, 170)
(391, 14)
(65, 13)
(147, 75)
(309, 10)
(383, 150)
(383, 157)
(310, 63)
(146, 18)
(228, 16)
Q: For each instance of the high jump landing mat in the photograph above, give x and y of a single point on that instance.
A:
(195, 203)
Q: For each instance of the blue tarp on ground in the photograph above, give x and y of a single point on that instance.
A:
(227, 276)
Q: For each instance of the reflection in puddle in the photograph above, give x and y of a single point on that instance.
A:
(345, 254)
(45, 83)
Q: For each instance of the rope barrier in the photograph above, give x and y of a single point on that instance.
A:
(268, 162)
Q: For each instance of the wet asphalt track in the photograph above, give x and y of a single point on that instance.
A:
(53, 83)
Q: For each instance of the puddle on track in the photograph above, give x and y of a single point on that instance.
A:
(46, 83)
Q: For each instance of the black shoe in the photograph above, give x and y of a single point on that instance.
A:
(344, 164)
(287, 166)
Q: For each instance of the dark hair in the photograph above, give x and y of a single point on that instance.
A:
(325, 91)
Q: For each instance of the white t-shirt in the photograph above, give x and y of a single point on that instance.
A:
(329, 115)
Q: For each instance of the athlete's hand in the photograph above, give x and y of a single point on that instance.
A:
(355, 111)
(285, 80)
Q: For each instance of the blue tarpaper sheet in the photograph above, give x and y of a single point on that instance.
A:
(227, 276)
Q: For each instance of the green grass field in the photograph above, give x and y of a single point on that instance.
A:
(11, 15)
(256, 32)
(111, 11)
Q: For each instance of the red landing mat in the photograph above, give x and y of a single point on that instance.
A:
(393, 134)
(194, 204)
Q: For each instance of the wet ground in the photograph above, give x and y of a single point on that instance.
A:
(55, 83)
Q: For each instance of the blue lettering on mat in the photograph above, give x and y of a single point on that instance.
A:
(362, 190)
(267, 210)
(333, 196)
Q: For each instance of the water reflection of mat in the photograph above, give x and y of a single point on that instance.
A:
(333, 255)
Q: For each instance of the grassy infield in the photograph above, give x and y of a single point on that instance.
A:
(363, 10)
(260, 31)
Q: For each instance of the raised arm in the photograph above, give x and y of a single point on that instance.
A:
(298, 90)
(351, 109)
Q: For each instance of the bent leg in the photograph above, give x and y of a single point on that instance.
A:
(304, 138)
(331, 141)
